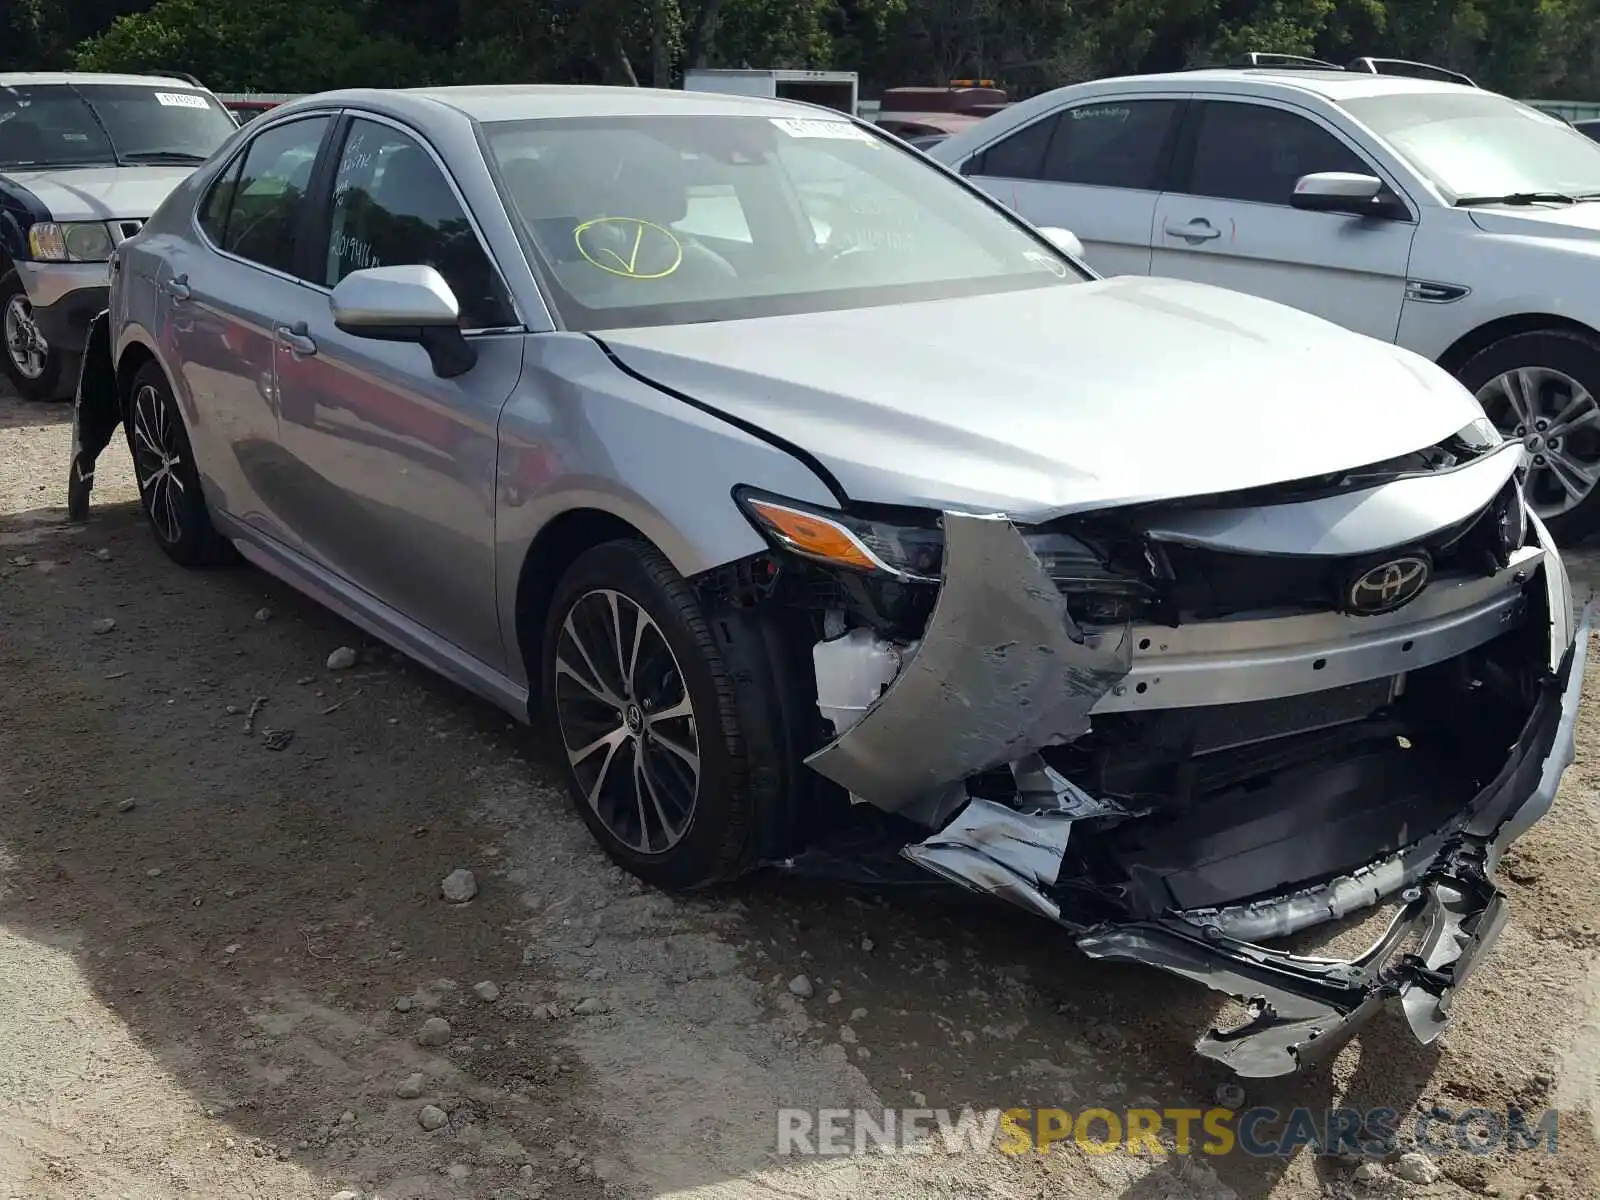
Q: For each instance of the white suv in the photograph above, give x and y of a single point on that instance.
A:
(1455, 222)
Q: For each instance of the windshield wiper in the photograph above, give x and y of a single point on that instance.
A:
(1521, 198)
(177, 156)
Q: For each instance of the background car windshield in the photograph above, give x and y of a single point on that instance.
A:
(666, 220)
(48, 125)
(1480, 144)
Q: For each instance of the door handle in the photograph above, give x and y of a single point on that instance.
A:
(1197, 230)
(177, 288)
(295, 340)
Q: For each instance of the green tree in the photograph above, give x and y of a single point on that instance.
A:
(265, 45)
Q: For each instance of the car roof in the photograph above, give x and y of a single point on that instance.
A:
(1333, 85)
(520, 102)
(33, 78)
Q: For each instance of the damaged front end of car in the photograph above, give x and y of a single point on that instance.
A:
(1178, 730)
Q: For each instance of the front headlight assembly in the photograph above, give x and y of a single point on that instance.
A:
(70, 241)
(915, 553)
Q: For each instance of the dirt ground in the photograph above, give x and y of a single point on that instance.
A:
(220, 939)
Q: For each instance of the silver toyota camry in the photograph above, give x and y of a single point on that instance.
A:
(823, 507)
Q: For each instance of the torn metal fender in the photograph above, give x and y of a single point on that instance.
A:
(1002, 670)
(96, 413)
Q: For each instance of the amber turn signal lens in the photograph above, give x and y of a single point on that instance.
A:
(816, 536)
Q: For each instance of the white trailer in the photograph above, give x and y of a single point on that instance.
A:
(833, 89)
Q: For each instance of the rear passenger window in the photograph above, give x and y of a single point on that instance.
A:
(254, 212)
(1257, 153)
(1019, 156)
(1118, 144)
(393, 206)
(214, 208)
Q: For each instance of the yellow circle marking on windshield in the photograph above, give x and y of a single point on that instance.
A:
(627, 266)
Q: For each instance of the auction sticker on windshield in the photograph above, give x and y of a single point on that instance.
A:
(805, 127)
(180, 100)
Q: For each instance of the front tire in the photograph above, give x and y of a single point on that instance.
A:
(168, 479)
(36, 369)
(645, 711)
(1541, 388)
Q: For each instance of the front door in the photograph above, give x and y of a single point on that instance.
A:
(219, 300)
(399, 465)
(1094, 169)
(1229, 222)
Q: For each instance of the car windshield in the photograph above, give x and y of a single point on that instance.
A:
(669, 220)
(1475, 145)
(77, 124)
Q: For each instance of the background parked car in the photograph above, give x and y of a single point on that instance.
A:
(84, 160)
(1456, 222)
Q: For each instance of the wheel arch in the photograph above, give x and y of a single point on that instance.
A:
(558, 544)
(1468, 344)
(133, 359)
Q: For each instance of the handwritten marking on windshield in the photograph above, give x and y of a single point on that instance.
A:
(644, 234)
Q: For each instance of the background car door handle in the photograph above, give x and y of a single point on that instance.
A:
(177, 288)
(295, 340)
(1197, 230)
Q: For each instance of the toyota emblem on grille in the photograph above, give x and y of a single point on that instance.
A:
(1389, 585)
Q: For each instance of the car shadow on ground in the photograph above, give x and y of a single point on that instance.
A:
(20, 414)
(252, 915)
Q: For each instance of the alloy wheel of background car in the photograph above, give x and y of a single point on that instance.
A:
(1539, 389)
(661, 749)
(169, 482)
(1558, 421)
(627, 722)
(29, 362)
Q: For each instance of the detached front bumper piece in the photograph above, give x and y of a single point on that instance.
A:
(1002, 672)
(96, 413)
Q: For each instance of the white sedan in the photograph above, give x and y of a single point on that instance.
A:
(1452, 221)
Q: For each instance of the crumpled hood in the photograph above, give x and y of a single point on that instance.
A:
(1042, 402)
(101, 193)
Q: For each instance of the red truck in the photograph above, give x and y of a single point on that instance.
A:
(923, 115)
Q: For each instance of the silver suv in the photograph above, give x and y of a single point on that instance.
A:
(84, 160)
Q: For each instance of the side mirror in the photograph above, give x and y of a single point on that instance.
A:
(1063, 240)
(1344, 192)
(405, 304)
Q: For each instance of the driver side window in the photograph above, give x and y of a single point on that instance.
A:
(1257, 153)
(393, 206)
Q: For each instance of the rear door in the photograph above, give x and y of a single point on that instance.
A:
(1228, 220)
(221, 295)
(1094, 168)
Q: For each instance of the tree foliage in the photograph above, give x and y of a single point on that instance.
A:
(1526, 47)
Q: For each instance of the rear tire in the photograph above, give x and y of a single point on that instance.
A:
(1542, 388)
(169, 482)
(629, 721)
(36, 369)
